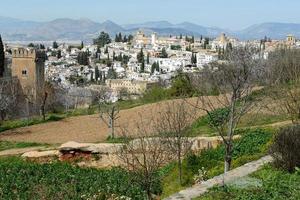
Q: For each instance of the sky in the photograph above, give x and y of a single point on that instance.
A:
(231, 14)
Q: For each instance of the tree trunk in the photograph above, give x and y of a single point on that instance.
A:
(179, 162)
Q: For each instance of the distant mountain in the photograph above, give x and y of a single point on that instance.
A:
(162, 27)
(84, 29)
(272, 30)
(59, 29)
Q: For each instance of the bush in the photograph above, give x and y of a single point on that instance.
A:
(286, 148)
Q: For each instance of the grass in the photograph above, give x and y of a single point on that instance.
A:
(4, 145)
(201, 127)
(275, 184)
(252, 146)
(27, 180)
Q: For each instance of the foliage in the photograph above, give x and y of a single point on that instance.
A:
(4, 145)
(285, 149)
(251, 146)
(24, 180)
(276, 184)
(83, 58)
(182, 86)
(102, 40)
(2, 57)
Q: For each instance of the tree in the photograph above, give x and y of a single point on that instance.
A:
(31, 45)
(140, 56)
(180, 37)
(111, 74)
(143, 157)
(114, 56)
(81, 45)
(194, 59)
(130, 38)
(108, 112)
(172, 124)
(83, 58)
(8, 97)
(142, 67)
(148, 58)
(55, 45)
(97, 74)
(102, 40)
(164, 53)
(106, 50)
(283, 79)
(234, 79)
(98, 53)
(2, 58)
(58, 54)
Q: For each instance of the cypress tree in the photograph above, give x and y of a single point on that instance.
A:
(2, 58)
(148, 59)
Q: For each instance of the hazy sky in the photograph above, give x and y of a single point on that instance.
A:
(233, 14)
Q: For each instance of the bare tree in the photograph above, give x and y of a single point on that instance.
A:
(144, 156)
(8, 97)
(283, 75)
(172, 124)
(234, 80)
(109, 112)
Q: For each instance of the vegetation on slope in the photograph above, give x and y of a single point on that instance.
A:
(251, 146)
(272, 184)
(27, 180)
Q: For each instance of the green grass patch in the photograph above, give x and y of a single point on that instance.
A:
(24, 180)
(276, 184)
(4, 145)
(252, 145)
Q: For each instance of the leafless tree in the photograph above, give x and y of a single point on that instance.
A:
(8, 97)
(172, 124)
(144, 155)
(109, 112)
(283, 75)
(234, 80)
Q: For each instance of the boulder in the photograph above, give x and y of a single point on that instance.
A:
(101, 148)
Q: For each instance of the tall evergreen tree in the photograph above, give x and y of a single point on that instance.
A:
(97, 73)
(55, 45)
(148, 58)
(58, 54)
(81, 45)
(140, 56)
(142, 67)
(2, 57)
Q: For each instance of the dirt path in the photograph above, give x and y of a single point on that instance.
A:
(239, 172)
(19, 151)
(85, 128)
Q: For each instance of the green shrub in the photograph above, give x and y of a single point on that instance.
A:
(286, 148)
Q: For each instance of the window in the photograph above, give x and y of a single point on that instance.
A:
(24, 72)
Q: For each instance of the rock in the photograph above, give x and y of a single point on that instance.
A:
(101, 148)
(40, 154)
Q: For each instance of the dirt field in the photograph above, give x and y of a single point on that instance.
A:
(88, 128)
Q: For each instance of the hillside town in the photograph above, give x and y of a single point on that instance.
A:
(148, 111)
(129, 65)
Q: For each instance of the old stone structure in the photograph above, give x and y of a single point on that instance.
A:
(131, 86)
(26, 73)
(28, 65)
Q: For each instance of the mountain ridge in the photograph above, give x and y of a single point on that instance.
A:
(85, 29)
